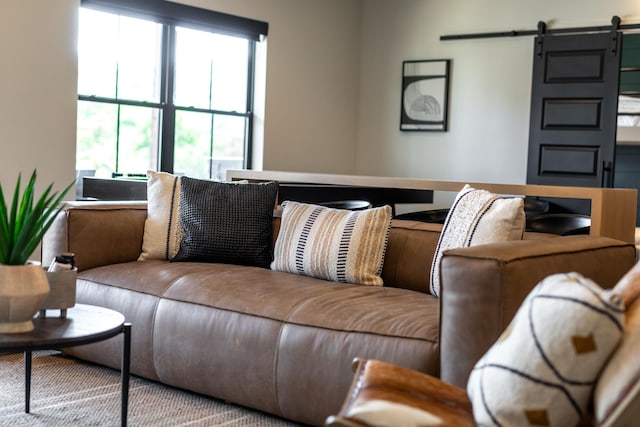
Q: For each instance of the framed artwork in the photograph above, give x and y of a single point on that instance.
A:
(425, 95)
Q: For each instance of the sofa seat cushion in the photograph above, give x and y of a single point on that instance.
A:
(279, 296)
(393, 312)
(139, 310)
(309, 301)
(152, 277)
(222, 315)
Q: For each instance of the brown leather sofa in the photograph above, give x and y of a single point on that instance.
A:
(284, 343)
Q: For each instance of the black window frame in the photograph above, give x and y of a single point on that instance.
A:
(172, 15)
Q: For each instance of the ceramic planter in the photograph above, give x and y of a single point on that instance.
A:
(62, 293)
(23, 291)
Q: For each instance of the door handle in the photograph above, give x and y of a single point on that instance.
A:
(607, 174)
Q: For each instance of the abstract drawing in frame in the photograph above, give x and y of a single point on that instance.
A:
(425, 93)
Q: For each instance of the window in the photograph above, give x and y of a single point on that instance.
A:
(164, 87)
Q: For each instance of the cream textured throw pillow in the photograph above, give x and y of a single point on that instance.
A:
(162, 229)
(332, 244)
(477, 217)
(543, 368)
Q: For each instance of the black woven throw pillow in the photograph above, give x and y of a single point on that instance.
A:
(226, 223)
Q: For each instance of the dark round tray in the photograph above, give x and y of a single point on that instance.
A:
(353, 205)
(564, 224)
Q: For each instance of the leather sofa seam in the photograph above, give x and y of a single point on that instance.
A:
(538, 256)
(286, 321)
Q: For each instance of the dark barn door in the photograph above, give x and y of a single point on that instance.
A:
(574, 99)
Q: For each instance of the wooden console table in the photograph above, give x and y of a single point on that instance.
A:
(613, 210)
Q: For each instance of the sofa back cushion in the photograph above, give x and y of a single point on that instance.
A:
(410, 250)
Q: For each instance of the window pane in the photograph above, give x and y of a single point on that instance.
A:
(101, 148)
(229, 134)
(192, 153)
(139, 60)
(230, 57)
(97, 53)
(139, 131)
(112, 46)
(228, 144)
(211, 71)
(200, 154)
(97, 137)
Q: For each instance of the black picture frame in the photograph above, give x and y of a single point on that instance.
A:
(425, 95)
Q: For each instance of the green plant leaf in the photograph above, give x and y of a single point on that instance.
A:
(14, 209)
(5, 238)
(26, 203)
(30, 232)
(23, 227)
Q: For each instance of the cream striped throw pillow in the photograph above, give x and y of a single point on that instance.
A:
(332, 244)
(477, 217)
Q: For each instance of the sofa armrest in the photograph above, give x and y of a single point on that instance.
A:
(483, 287)
(98, 233)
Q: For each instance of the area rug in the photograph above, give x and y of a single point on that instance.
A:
(69, 392)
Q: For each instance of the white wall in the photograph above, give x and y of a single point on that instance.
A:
(311, 80)
(38, 85)
(490, 83)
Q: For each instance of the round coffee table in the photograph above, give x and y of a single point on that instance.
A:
(84, 324)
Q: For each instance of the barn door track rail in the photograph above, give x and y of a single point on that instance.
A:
(542, 29)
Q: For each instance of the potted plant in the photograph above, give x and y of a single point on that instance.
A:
(23, 285)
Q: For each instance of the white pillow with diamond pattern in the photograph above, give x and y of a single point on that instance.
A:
(477, 217)
(543, 368)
